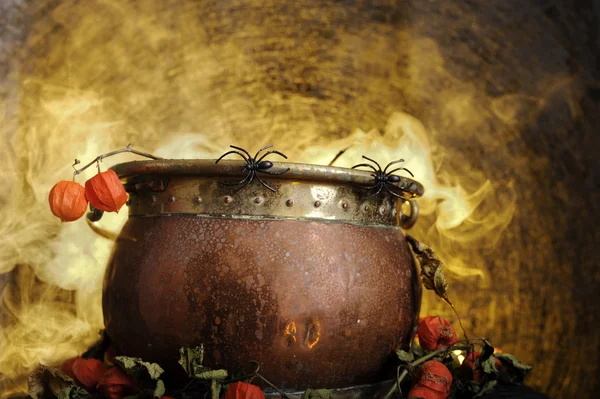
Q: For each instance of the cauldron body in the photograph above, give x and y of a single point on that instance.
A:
(321, 303)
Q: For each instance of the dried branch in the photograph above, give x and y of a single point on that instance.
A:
(110, 154)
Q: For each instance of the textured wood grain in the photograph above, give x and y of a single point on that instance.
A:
(508, 88)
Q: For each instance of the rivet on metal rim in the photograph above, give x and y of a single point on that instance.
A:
(317, 204)
(197, 200)
(345, 205)
(227, 199)
(382, 210)
(289, 202)
(172, 199)
(258, 200)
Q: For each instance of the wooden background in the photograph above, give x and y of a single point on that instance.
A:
(509, 89)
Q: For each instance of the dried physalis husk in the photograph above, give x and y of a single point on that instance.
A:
(242, 390)
(106, 192)
(67, 200)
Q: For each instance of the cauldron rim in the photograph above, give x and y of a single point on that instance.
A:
(229, 168)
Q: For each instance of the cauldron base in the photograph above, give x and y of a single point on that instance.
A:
(368, 391)
(380, 389)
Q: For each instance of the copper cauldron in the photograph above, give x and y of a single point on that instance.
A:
(312, 281)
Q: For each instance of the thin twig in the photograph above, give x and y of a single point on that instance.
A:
(283, 395)
(339, 154)
(414, 364)
(459, 320)
(110, 154)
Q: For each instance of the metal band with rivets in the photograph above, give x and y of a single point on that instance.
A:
(175, 187)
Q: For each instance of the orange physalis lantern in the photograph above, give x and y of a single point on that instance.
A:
(106, 192)
(434, 381)
(116, 384)
(436, 332)
(88, 371)
(242, 390)
(67, 200)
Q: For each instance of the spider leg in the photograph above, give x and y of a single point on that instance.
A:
(392, 163)
(237, 183)
(372, 160)
(375, 193)
(392, 171)
(250, 177)
(265, 184)
(365, 164)
(393, 193)
(241, 149)
(231, 152)
(274, 173)
(271, 152)
(262, 149)
(373, 186)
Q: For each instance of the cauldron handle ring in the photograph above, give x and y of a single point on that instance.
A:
(408, 221)
(95, 215)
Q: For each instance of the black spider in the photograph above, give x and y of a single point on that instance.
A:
(253, 165)
(383, 178)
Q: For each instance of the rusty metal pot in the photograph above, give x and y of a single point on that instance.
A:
(311, 281)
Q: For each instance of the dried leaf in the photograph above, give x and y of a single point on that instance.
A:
(191, 359)
(439, 283)
(405, 357)
(432, 273)
(136, 367)
(159, 390)
(317, 394)
(48, 380)
(486, 388)
(513, 371)
(212, 375)
(486, 362)
(74, 392)
(432, 267)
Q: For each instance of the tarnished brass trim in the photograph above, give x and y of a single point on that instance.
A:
(226, 168)
(198, 195)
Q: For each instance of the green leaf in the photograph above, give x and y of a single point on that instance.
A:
(514, 362)
(417, 351)
(46, 381)
(489, 366)
(159, 390)
(486, 361)
(74, 392)
(486, 388)
(191, 359)
(405, 357)
(137, 367)
(212, 375)
(513, 371)
(215, 388)
(317, 394)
